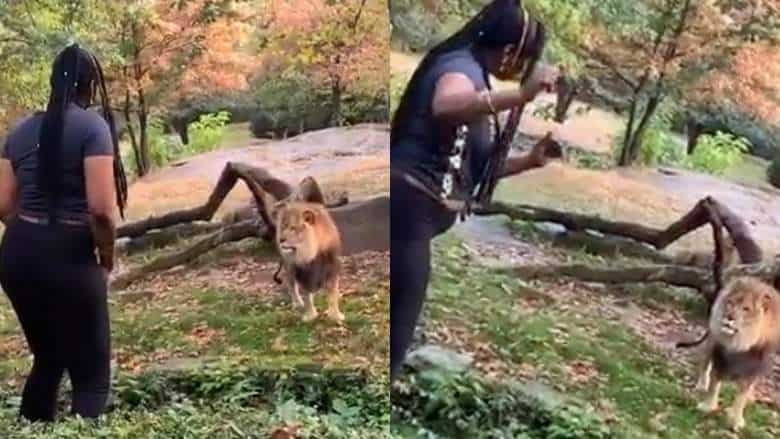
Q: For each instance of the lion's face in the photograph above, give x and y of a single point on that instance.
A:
(740, 318)
(741, 312)
(295, 234)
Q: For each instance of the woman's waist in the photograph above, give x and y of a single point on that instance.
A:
(30, 239)
(75, 219)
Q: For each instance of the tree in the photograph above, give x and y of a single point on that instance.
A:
(659, 48)
(155, 53)
(342, 46)
(171, 51)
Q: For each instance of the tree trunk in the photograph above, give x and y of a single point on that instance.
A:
(635, 132)
(639, 134)
(143, 121)
(131, 132)
(694, 130)
(335, 104)
(623, 160)
(566, 90)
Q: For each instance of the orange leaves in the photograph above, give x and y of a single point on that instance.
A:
(750, 81)
(175, 52)
(335, 43)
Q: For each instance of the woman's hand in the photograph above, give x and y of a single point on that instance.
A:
(537, 157)
(544, 150)
(106, 259)
(542, 79)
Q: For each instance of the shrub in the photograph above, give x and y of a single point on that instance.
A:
(716, 153)
(659, 146)
(465, 405)
(773, 172)
(365, 108)
(763, 136)
(413, 28)
(293, 103)
(261, 125)
(397, 88)
(162, 147)
(207, 133)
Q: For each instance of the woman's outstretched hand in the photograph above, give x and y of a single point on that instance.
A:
(544, 150)
(542, 79)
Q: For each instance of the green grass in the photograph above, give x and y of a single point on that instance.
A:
(227, 400)
(236, 135)
(751, 172)
(634, 385)
(187, 328)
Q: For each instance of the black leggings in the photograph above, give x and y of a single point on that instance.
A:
(58, 290)
(415, 219)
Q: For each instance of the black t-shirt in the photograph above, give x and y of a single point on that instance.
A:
(418, 147)
(85, 134)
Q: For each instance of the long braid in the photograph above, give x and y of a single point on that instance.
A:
(63, 83)
(120, 178)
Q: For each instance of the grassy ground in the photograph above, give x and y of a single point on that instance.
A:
(751, 172)
(226, 309)
(594, 345)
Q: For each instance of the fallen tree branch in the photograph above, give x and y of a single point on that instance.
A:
(706, 211)
(235, 232)
(748, 249)
(254, 177)
(159, 238)
(363, 225)
(678, 275)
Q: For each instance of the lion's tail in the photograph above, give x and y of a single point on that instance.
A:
(690, 344)
(277, 279)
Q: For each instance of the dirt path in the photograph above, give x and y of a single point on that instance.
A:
(354, 159)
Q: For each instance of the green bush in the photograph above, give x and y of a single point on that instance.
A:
(163, 148)
(397, 88)
(443, 405)
(226, 401)
(412, 27)
(292, 104)
(365, 108)
(716, 153)
(763, 136)
(206, 134)
(773, 172)
(659, 146)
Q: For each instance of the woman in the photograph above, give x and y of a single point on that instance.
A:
(61, 180)
(442, 137)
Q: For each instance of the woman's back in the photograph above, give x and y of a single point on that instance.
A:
(85, 134)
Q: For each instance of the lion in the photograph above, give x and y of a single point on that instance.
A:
(743, 335)
(309, 246)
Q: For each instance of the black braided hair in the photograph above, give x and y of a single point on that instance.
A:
(498, 24)
(75, 73)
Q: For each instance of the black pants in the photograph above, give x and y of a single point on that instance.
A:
(415, 219)
(58, 291)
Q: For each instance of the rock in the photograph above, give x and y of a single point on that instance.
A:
(437, 357)
(550, 228)
(546, 395)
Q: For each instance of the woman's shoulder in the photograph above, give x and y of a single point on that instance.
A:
(461, 61)
(22, 126)
(86, 119)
